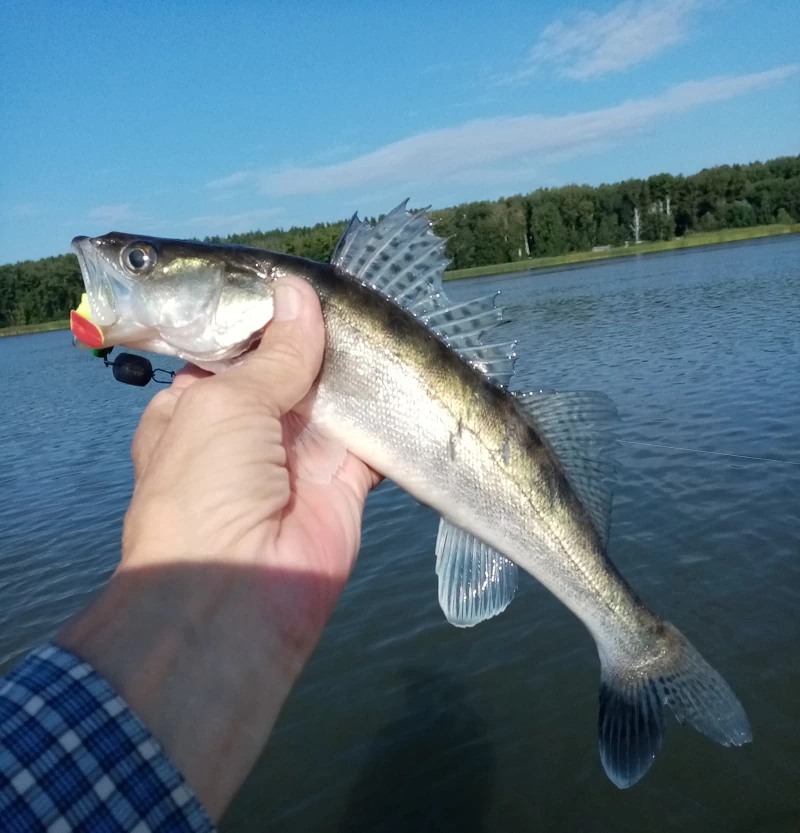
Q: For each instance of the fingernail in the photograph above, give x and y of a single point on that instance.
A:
(288, 301)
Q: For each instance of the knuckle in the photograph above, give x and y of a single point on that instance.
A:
(204, 398)
(160, 405)
(285, 357)
(139, 452)
(214, 402)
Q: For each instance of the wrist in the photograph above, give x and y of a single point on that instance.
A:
(192, 651)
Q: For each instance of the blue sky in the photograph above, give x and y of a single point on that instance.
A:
(185, 119)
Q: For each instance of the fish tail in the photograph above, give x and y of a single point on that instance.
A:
(634, 691)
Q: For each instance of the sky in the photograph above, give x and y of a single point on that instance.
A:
(182, 119)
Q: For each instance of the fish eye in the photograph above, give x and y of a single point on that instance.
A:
(138, 258)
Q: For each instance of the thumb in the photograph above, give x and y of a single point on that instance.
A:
(282, 369)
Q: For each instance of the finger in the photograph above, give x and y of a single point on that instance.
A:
(282, 369)
(157, 416)
(188, 374)
(155, 419)
(360, 478)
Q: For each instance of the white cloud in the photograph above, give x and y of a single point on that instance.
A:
(231, 223)
(230, 181)
(113, 214)
(591, 44)
(490, 147)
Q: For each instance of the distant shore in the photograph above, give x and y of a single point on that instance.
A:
(708, 238)
(26, 329)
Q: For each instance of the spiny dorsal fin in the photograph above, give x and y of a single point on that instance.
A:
(404, 260)
(580, 428)
(475, 581)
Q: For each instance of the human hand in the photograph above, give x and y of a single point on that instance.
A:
(217, 475)
(231, 563)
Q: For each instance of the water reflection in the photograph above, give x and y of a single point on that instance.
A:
(431, 768)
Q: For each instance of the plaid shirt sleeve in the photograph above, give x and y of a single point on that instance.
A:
(74, 757)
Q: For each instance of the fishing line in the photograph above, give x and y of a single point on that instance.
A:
(715, 453)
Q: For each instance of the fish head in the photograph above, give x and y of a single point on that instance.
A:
(204, 303)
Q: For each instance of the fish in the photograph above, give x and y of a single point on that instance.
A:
(419, 388)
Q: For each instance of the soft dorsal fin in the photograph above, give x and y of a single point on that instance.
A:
(404, 260)
(580, 427)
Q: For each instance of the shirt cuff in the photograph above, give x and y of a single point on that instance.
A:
(74, 757)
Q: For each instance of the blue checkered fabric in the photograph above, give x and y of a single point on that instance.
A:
(74, 757)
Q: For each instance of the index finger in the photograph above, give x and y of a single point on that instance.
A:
(157, 416)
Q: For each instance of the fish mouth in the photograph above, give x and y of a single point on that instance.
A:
(105, 318)
(98, 286)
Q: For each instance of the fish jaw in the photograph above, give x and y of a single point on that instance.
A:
(98, 286)
(105, 322)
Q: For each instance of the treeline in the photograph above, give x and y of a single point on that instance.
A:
(35, 291)
(546, 222)
(553, 221)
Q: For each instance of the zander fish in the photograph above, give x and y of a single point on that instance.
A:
(417, 387)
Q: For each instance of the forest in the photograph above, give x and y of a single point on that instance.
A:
(545, 222)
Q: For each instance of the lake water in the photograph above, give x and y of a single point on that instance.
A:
(402, 722)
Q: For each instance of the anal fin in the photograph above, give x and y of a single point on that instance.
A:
(475, 581)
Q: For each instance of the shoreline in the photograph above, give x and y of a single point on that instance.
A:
(27, 329)
(709, 238)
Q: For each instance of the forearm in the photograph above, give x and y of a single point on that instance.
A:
(192, 651)
(204, 648)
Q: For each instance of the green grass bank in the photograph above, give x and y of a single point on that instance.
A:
(25, 329)
(708, 238)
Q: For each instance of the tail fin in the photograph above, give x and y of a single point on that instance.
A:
(632, 698)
